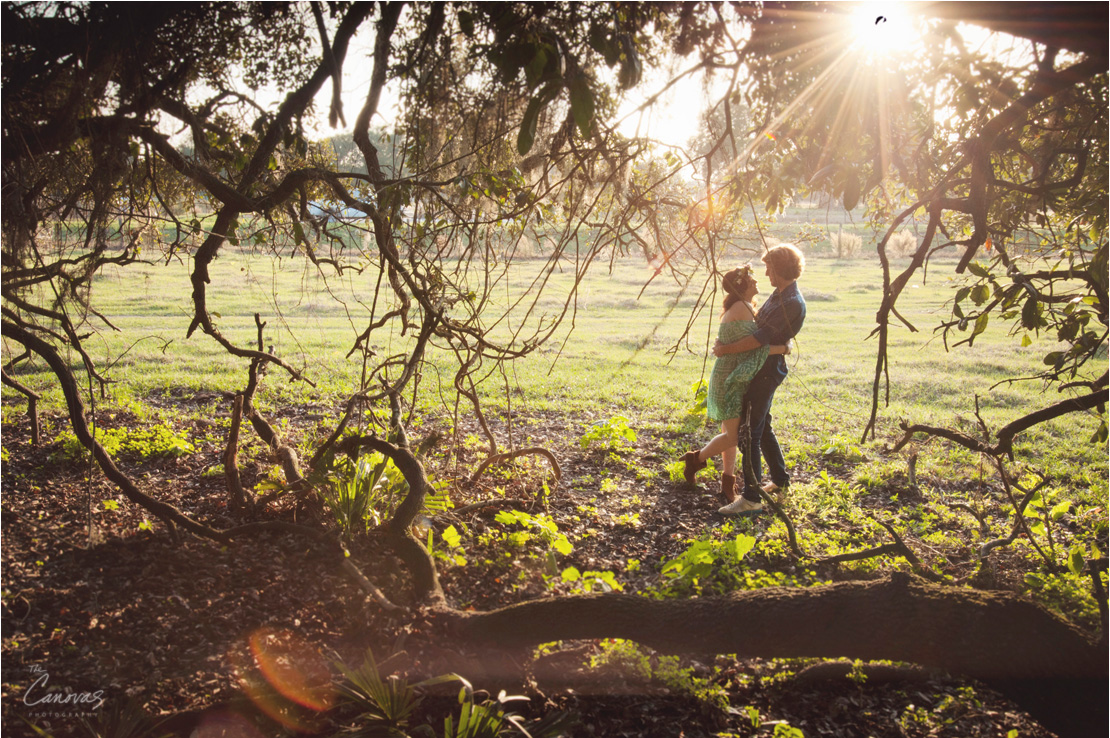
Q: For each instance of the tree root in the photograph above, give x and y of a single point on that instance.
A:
(897, 548)
(493, 502)
(369, 588)
(510, 455)
(32, 403)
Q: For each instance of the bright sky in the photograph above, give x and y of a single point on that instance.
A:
(675, 117)
(881, 27)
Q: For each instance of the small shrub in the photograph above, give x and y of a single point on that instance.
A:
(382, 702)
(130, 443)
(675, 471)
(623, 656)
(605, 581)
(704, 556)
(364, 493)
(902, 243)
(842, 450)
(845, 244)
(541, 526)
(353, 496)
(629, 658)
(451, 551)
(700, 389)
(611, 435)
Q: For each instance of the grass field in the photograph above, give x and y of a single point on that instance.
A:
(622, 508)
(618, 352)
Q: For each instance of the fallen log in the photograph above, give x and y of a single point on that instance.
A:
(1047, 665)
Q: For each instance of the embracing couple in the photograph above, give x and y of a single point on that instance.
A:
(750, 350)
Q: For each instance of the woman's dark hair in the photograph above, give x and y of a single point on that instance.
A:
(735, 284)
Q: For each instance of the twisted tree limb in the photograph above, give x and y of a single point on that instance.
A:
(231, 458)
(398, 529)
(1006, 434)
(165, 512)
(901, 618)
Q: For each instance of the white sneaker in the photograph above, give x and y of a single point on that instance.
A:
(740, 506)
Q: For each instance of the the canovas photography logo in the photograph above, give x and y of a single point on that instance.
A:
(46, 699)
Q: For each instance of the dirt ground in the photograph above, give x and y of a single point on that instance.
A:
(102, 605)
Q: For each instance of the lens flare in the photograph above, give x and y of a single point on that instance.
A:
(284, 676)
(225, 725)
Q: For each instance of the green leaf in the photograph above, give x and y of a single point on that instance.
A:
(980, 294)
(562, 545)
(570, 574)
(1076, 560)
(820, 174)
(1031, 314)
(1026, 341)
(451, 537)
(978, 269)
(1059, 510)
(582, 104)
(533, 70)
(851, 192)
(630, 71)
(981, 324)
(742, 545)
(527, 135)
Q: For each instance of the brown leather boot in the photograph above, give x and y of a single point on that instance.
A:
(691, 466)
(728, 489)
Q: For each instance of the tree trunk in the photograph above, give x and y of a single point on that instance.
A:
(1044, 663)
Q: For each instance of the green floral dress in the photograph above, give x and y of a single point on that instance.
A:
(733, 372)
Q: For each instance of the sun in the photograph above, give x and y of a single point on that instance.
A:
(883, 29)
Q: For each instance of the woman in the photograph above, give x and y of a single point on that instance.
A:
(779, 320)
(731, 375)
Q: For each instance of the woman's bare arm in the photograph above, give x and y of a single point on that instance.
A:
(747, 343)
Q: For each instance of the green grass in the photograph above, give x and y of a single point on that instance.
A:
(618, 361)
(611, 356)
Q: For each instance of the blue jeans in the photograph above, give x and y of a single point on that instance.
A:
(762, 442)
